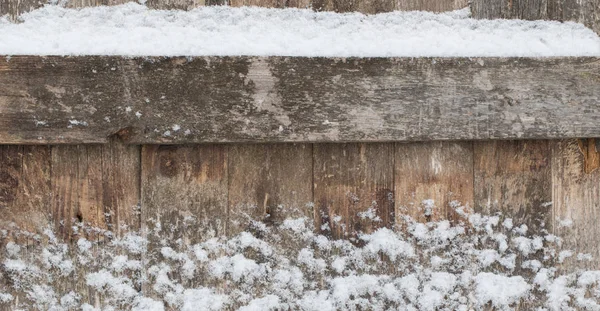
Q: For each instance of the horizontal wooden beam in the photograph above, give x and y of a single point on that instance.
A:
(285, 99)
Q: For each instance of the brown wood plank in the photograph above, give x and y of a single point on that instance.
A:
(185, 190)
(515, 178)
(97, 185)
(438, 171)
(582, 11)
(278, 99)
(24, 201)
(77, 190)
(269, 182)
(350, 179)
(184, 200)
(121, 173)
(302, 4)
(576, 201)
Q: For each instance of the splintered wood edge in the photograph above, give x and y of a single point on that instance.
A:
(180, 100)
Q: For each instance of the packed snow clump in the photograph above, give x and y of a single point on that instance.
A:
(134, 30)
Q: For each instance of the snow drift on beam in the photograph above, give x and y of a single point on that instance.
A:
(134, 30)
(481, 261)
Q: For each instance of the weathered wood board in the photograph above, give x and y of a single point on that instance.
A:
(97, 186)
(586, 12)
(280, 99)
(25, 188)
(353, 188)
(438, 171)
(184, 192)
(576, 200)
(269, 183)
(515, 179)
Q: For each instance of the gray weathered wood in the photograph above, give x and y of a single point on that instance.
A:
(281, 99)
(269, 182)
(515, 178)
(576, 200)
(438, 171)
(582, 11)
(353, 188)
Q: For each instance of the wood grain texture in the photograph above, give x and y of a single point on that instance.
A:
(350, 179)
(301, 4)
(24, 188)
(515, 178)
(269, 182)
(438, 171)
(278, 99)
(97, 186)
(586, 12)
(184, 192)
(576, 203)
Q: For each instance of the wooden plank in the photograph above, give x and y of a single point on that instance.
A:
(301, 4)
(431, 5)
(582, 11)
(269, 182)
(121, 174)
(184, 200)
(77, 191)
(576, 200)
(184, 189)
(96, 185)
(438, 171)
(279, 99)
(350, 179)
(515, 178)
(24, 201)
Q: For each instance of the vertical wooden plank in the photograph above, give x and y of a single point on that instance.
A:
(24, 198)
(438, 171)
(576, 200)
(381, 6)
(514, 178)
(269, 182)
(350, 179)
(184, 189)
(302, 4)
(431, 5)
(518, 9)
(77, 189)
(97, 185)
(121, 173)
(582, 11)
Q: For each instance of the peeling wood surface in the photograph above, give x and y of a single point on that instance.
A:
(279, 99)
(586, 12)
(438, 171)
(353, 179)
(269, 182)
(515, 178)
(576, 204)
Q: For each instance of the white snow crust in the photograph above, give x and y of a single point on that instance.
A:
(134, 30)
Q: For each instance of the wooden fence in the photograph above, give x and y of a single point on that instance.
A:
(119, 187)
(495, 134)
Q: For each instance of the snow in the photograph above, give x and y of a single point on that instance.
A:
(134, 30)
(471, 264)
